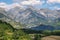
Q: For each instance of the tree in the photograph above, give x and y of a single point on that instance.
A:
(56, 32)
(37, 37)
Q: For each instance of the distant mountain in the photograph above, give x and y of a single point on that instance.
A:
(44, 27)
(30, 17)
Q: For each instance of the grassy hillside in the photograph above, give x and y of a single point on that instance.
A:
(7, 32)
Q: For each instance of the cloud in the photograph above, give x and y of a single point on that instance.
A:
(29, 2)
(53, 1)
(14, 5)
(56, 7)
(3, 5)
(9, 6)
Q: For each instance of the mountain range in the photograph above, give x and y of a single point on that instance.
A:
(30, 17)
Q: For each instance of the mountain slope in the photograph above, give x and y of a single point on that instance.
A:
(31, 17)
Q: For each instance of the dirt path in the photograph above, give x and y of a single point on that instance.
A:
(51, 38)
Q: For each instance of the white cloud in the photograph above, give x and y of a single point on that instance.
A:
(21, 3)
(29, 2)
(9, 6)
(53, 1)
(14, 5)
(57, 8)
(3, 5)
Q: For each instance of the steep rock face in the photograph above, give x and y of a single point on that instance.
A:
(30, 17)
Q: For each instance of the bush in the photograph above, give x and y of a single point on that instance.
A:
(37, 37)
(46, 32)
(56, 32)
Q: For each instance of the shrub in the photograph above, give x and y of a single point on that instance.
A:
(56, 32)
(46, 32)
(37, 37)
